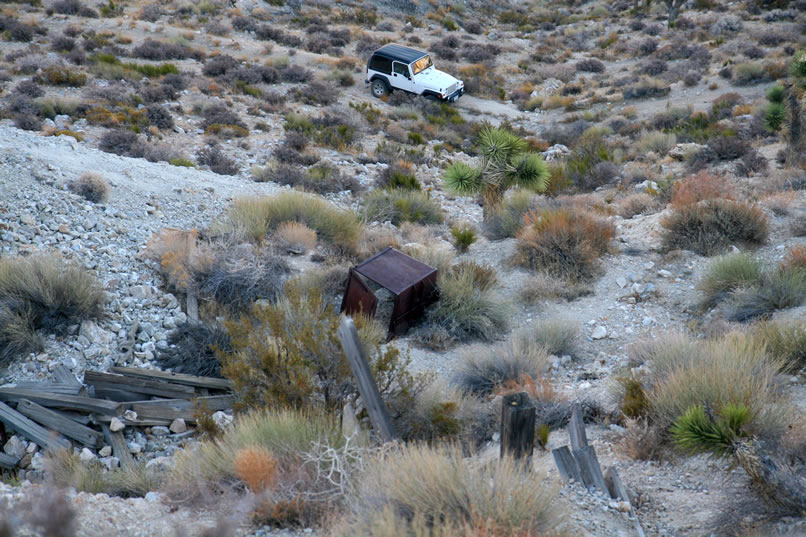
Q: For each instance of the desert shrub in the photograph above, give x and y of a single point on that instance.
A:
(647, 88)
(635, 204)
(469, 306)
(602, 173)
(484, 371)
(321, 179)
(776, 94)
(711, 226)
(16, 30)
(399, 205)
(259, 216)
(692, 78)
(26, 122)
(656, 142)
(43, 293)
(556, 336)
(400, 174)
(219, 114)
(784, 341)
(646, 46)
(91, 186)
(774, 116)
(728, 147)
(434, 491)
(192, 349)
(295, 74)
(61, 76)
(589, 151)
(62, 44)
(159, 116)
(507, 219)
(777, 290)
(316, 93)
(726, 274)
(563, 243)
(751, 162)
(734, 369)
(342, 77)
(217, 160)
(266, 32)
(151, 49)
(330, 129)
(121, 142)
(652, 67)
(288, 354)
(699, 187)
(747, 74)
(244, 24)
(29, 88)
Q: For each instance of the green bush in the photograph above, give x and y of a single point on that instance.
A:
(776, 94)
(469, 306)
(775, 116)
(726, 274)
(400, 205)
(695, 431)
(711, 226)
(43, 292)
(777, 290)
(398, 175)
(463, 237)
(258, 216)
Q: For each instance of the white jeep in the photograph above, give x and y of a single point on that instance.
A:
(395, 67)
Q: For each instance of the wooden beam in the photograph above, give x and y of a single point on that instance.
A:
(57, 422)
(65, 376)
(8, 462)
(576, 428)
(30, 430)
(589, 468)
(357, 357)
(67, 402)
(115, 394)
(171, 409)
(176, 378)
(50, 387)
(518, 426)
(119, 446)
(566, 464)
(98, 419)
(158, 388)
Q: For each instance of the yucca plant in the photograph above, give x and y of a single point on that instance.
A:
(505, 163)
(795, 95)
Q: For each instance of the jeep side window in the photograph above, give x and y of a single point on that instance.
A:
(401, 69)
(381, 64)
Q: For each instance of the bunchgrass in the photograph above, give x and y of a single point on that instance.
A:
(784, 340)
(259, 216)
(726, 274)
(777, 290)
(399, 205)
(483, 371)
(556, 336)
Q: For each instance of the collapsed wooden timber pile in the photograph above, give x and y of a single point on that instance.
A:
(93, 413)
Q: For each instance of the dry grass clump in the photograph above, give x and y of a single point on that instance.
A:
(542, 286)
(257, 467)
(735, 369)
(635, 204)
(295, 237)
(66, 469)
(784, 340)
(436, 488)
(700, 187)
(727, 274)
(259, 216)
(556, 336)
(711, 226)
(780, 289)
(43, 292)
(656, 142)
(91, 186)
(469, 306)
(399, 205)
(563, 243)
(507, 218)
(192, 349)
(485, 370)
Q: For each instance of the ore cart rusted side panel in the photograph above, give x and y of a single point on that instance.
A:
(358, 298)
(411, 303)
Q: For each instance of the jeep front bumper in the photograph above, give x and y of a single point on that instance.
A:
(455, 95)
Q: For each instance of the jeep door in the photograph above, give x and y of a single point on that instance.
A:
(401, 77)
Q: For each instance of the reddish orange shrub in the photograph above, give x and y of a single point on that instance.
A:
(702, 186)
(257, 467)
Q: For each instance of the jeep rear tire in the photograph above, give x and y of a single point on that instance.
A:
(379, 88)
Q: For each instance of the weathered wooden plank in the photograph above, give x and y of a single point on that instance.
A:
(176, 378)
(192, 306)
(566, 464)
(576, 428)
(171, 409)
(518, 426)
(615, 486)
(64, 376)
(7, 461)
(50, 387)
(68, 402)
(116, 394)
(30, 430)
(589, 468)
(57, 422)
(159, 388)
(98, 419)
(357, 357)
(79, 417)
(119, 446)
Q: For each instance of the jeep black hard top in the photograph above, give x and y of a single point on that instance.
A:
(400, 53)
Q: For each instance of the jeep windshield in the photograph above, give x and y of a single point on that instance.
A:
(421, 65)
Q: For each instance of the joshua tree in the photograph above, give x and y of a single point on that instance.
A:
(795, 97)
(505, 164)
(673, 8)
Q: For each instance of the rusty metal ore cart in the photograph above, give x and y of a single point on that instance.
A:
(413, 284)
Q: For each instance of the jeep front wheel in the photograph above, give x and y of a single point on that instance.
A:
(380, 88)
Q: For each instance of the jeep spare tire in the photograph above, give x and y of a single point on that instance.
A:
(380, 88)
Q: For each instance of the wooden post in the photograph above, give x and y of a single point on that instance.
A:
(566, 464)
(518, 426)
(357, 357)
(192, 306)
(576, 428)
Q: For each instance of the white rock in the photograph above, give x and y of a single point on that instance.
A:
(178, 426)
(664, 273)
(135, 447)
(153, 497)
(130, 415)
(160, 430)
(116, 425)
(105, 451)
(222, 419)
(15, 447)
(110, 463)
(38, 462)
(86, 455)
(600, 332)
(621, 281)
(624, 507)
